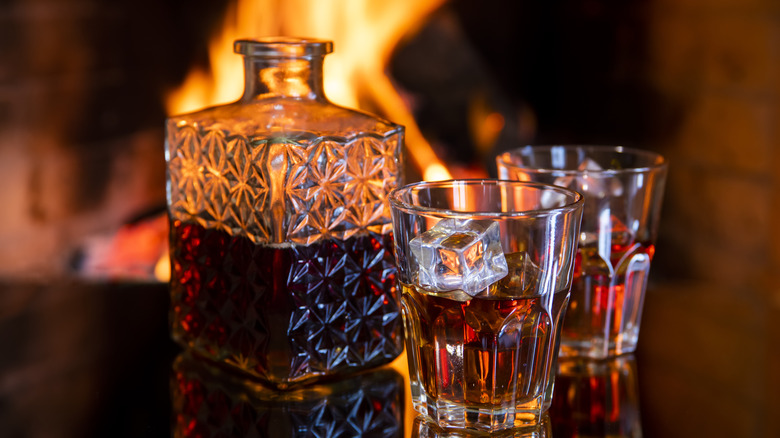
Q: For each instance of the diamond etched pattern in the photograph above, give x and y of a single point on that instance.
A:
(273, 190)
(287, 313)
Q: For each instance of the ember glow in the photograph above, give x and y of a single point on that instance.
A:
(364, 33)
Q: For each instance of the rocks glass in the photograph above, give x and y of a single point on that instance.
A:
(485, 268)
(623, 189)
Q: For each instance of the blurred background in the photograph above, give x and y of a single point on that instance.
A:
(85, 87)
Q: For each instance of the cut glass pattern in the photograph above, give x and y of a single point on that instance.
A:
(271, 190)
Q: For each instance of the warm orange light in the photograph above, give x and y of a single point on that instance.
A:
(162, 269)
(436, 172)
(364, 33)
(485, 123)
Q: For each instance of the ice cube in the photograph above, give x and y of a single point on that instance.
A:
(522, 278)
(596, 185)
(590, 183)
(609, 235)
(455, 295)
(459, 254)
(551, 199)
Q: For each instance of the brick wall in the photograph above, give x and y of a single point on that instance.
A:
(81, 116)
(722, 59)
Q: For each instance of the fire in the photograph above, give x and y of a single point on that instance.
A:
(364, 33)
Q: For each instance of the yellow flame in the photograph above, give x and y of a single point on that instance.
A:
(436, 172)
(364, 33)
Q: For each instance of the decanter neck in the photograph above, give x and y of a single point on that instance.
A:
(283, 68)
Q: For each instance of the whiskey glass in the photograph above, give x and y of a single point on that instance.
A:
(485, 268)
(623, 190)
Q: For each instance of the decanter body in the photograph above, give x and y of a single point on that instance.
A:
(281, 240)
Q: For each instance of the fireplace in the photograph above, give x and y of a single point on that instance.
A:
(85, 86)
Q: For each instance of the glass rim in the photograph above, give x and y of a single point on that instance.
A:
(658, 161)
(575, 200)
(283, 46)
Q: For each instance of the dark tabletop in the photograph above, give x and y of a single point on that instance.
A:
(95, 360)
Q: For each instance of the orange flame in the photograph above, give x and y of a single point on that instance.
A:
(364, 33)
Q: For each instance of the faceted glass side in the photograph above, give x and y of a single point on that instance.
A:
(298, 188)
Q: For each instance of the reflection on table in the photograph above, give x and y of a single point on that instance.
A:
(596, 398)
(208, 401)
(593, 398)
(95, 360)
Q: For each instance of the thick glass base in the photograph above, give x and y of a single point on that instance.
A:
(597, 348)
(423, 427)
(486, 419)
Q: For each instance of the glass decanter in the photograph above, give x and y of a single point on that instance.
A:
(282, 261)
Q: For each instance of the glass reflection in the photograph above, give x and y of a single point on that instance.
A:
(596, 398)
(424, 428)
(210, 402)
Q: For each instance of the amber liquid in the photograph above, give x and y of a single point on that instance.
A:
(489, 352)
(606, 296)
(285, 313)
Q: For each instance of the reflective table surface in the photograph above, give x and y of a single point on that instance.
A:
(95, 360)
